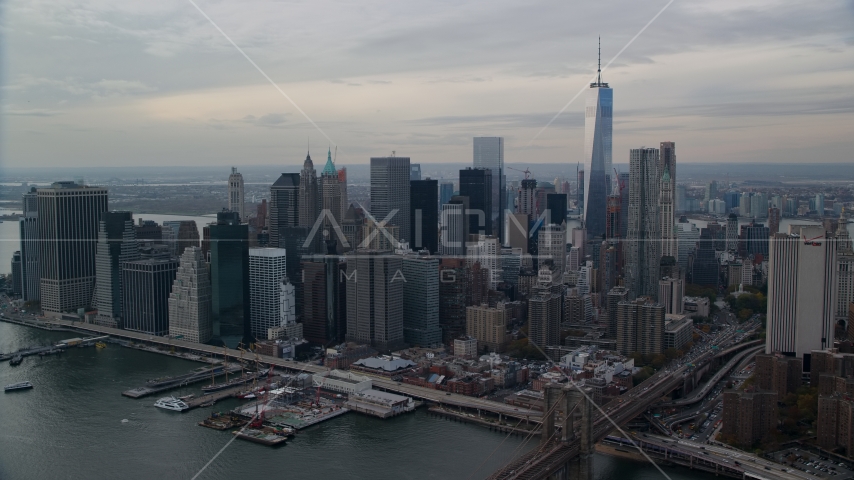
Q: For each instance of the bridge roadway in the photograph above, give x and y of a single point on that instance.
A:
(704, 390)
(550, 457)
(421, 393)
(695, 455)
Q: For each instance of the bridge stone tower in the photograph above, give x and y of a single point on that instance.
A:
(573, 408)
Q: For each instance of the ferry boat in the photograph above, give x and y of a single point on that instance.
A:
(171, 403)
(18, 386)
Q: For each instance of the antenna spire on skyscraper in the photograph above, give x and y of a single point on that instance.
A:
(599, 70)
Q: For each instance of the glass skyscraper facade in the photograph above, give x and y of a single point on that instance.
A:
(489, 153)
(597, 155)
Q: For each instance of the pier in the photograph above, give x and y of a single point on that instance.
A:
(179, 381)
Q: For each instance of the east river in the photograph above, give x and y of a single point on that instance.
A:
(76, 424)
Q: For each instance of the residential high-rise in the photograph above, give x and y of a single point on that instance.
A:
(421, 300)
(488, 325)
(485, 250)
(744, 204)
(230, 310)
(116, 244)
(666, 204)
(325, 300)
(615, 296)
(266, 274)
(330, 194)
(545, 312)
(670, 293)
(643, 244)
(284, 206)
(624, 203)
(759, 205)
(749, 416)
(526, 200)
(773, 220)
(390, 193)
(454, 229)
(146, 285)
(732, 232)
(424, 215)
(30, 246)
(598, 123)
(489, 153)
(819, 204)
(640, 326)
(476, 184)
(844, 273)
(802, 292)
(190, 299)
(235, 196)
(309, 194)
(711, 192)
(68, 230)
(375, 298)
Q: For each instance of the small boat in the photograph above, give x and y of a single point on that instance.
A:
(100, 345)
(186, 397)
(171, 403)
(18, 386)
(208, 404)
(16, 360)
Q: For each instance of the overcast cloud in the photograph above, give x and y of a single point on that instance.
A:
(98, 82)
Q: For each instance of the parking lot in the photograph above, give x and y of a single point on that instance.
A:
(814, 463)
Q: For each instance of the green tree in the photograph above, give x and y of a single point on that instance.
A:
(658, 361)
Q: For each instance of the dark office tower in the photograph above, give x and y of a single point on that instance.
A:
(30, 247)
(446, 191)
(580, 190)
(773, 221)
(68, 229)
(615, 296)
(755, 237)
(324, 299)
(556, 205)
(284, 206)
(421, 300)
(116, 245)
(330, 199)
(17, 274)
(643, 244)
(390, 193)
(608, 266)
(342, 184)
(375, 298)
(424, 215)
(230, 280)
(624, 204)
(261, 213)
(489, 153)
(706, 265)
(184, 233)
(352, 226)
(453, 291)
(476, 183)
(309, 194)
(148, 231)
(146, 284)
(455, 228)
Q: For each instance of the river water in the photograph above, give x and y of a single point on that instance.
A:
(72, 425)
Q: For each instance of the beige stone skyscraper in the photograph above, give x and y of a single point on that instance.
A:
(190, 300)
(235, 194)
(309, 198)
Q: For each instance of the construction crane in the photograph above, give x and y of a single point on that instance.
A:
(526, 171)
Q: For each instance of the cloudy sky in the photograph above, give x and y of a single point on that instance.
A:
(100, 82)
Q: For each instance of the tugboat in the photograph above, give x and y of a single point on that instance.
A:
(18, 386)
(16, 360)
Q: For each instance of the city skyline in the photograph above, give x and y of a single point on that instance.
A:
(162, 111)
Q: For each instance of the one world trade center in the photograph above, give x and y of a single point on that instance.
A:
(597, 153)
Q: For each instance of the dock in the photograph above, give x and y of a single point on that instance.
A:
(51, 349)
(180, 381)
